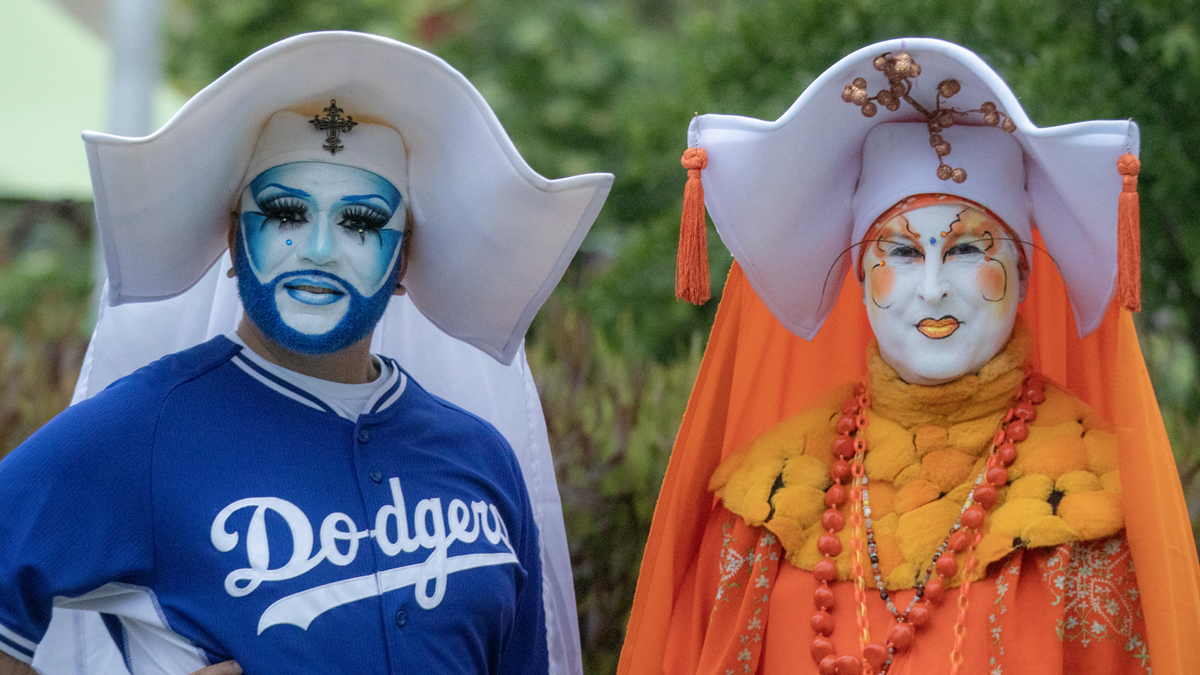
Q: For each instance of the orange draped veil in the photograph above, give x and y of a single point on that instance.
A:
(755, 373)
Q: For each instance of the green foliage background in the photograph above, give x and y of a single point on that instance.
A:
(591, 85)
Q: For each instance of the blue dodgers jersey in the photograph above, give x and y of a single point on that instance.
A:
(216, 512)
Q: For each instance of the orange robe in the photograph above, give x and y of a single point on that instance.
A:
(1068, 609)
(756, 374)
(1053, 588)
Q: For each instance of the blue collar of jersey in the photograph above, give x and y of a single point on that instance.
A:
(384, 397)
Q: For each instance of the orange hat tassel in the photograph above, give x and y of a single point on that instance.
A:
(691, 268)
(1129, 236)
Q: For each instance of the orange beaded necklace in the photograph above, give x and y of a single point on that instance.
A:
(849, 448)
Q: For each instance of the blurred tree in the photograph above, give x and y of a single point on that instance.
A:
(45, 282)
(612, 414)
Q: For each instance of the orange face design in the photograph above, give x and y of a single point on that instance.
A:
(941, 286)
(975, 229)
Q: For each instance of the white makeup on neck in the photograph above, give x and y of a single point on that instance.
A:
(941, 286)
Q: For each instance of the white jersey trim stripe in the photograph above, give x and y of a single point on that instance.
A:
(264, 368)
(14, 652)
(396, 378)
(17, 639)
(252, 372)
(18, 647)
(344, 402)
(399, 390)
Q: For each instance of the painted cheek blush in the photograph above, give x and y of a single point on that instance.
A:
(993, 281)
(883, 281)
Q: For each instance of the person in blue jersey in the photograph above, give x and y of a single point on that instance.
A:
(279, 499)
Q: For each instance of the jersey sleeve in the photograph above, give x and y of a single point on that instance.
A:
(526, 650)
(76, 512)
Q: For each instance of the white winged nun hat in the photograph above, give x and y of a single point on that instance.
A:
(492, 237)
(793, 198)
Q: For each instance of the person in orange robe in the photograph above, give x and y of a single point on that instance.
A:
(1081, 558)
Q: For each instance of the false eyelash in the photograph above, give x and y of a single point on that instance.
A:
(971, 247)
(900, 249)
(284, 210)
(963, 249)
(362, 218)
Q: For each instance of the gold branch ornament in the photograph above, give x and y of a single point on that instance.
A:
(901, 70)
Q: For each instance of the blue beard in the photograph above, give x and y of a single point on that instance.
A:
(258, 300)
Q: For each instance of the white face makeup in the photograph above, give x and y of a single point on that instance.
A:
(319, 233)
(941, 288)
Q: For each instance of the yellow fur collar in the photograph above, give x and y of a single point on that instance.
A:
(970, 397)
(925, 446)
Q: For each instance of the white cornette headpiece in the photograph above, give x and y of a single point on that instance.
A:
(898, 162)
(492, 237)
(790, 198)
(290, 137)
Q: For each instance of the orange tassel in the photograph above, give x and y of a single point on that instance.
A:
(691, 268)
(1129, 236)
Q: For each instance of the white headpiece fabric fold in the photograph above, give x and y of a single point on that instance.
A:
(790, 198)
(292, 138)
(492, 238)
(898, 162)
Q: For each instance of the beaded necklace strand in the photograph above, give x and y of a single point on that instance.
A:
(850, 448)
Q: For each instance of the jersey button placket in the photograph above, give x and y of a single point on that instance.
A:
(372, 464)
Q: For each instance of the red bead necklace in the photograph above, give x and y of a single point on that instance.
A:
(849, 449)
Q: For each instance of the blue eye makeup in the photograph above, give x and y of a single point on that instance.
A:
(364, 218)
(308, 215)
(283, 210)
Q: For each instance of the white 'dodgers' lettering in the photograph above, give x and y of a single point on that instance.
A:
(432, 529)
(258, 549)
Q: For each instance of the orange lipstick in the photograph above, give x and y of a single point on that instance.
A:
(938, 328)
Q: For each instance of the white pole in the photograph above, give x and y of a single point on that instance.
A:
(134, 42)
(133, 30)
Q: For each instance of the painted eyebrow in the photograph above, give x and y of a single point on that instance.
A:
(359, 198)
(290, 190)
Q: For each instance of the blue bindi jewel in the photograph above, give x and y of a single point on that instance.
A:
(932, 241)
(289, 242)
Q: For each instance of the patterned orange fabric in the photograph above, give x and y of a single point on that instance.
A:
(1038, 610)
(755, 373)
